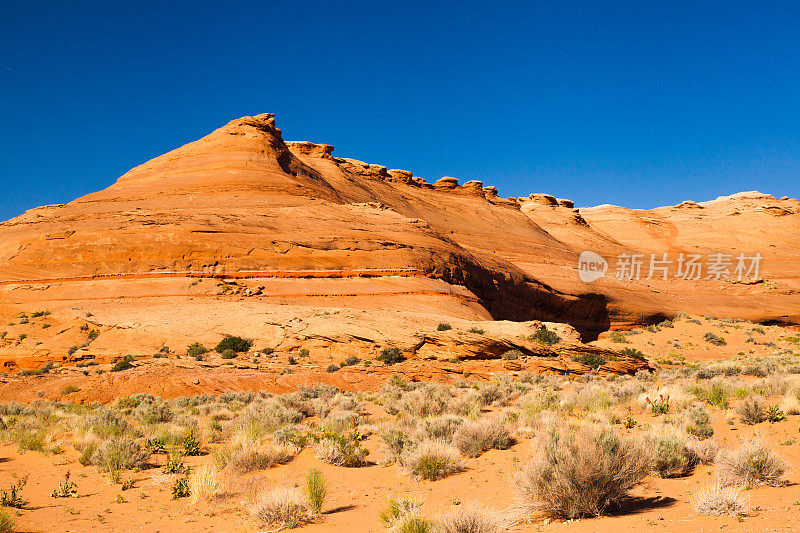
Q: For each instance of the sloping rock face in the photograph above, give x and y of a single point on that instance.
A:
(243, 203)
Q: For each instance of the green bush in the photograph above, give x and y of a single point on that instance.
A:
(391, 356)
(180, 489)
(123, 364)
(634, 353)
(545, 336)
(444, 326)
(6, 523)
(617, 336)
(227, 353)
(196, 349)
(237, 344)
(592, 360)
(315, 490)
(714, 339)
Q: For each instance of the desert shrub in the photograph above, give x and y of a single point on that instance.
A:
(432, 460)
(470, 519)
(413, 522)
(6, 523)
(119, 453)
(715, 394)
(316, 491)
(750, 465)
(227, 353)
(698, 423)
(332, 368)
(758, 371)
(231, 342)
(752, 411)
(390, 356)
(474, 438)
(672, 457)
(341, 450)
(706, 450)
(267, 415)
(617, 336)
(591, 360)
(478, 331)
(29, 435)
(153, 411)
(635, 354)
(398, 506)
(244, 460)
(439, 427)
(428, 399)
(716, 500)
(204, 483)
(126, 363)
(580, 473)
(289, 436)
(714, 339)
(545, 336)
(105, 423)
(790, 405)
(282, 506)
(512, 355)
(196, 349)
(85, 457)
(395, 443)
(444, 327)
(69, 389)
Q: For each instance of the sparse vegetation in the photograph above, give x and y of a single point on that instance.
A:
(545, 336)
(583, 472)
(231, 342)
(391, 356)
(316, 490)
(751, 465)
(432, 460)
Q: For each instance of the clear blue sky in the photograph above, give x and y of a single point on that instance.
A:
(634, 103)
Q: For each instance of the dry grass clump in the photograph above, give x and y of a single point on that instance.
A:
(751, 465)
(672, 456)
(752, 411)
(281, 506)
(469, 519)
(716, 500)
(790, 405)
(204, 484)
(432, 460)
(341, 450)
(117, 454)
(249, 459)
(438, 427)
(399, 507)
(706, 450)
(474, 438)
(580, 473)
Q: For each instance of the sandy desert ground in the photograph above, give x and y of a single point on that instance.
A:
(253, 442)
